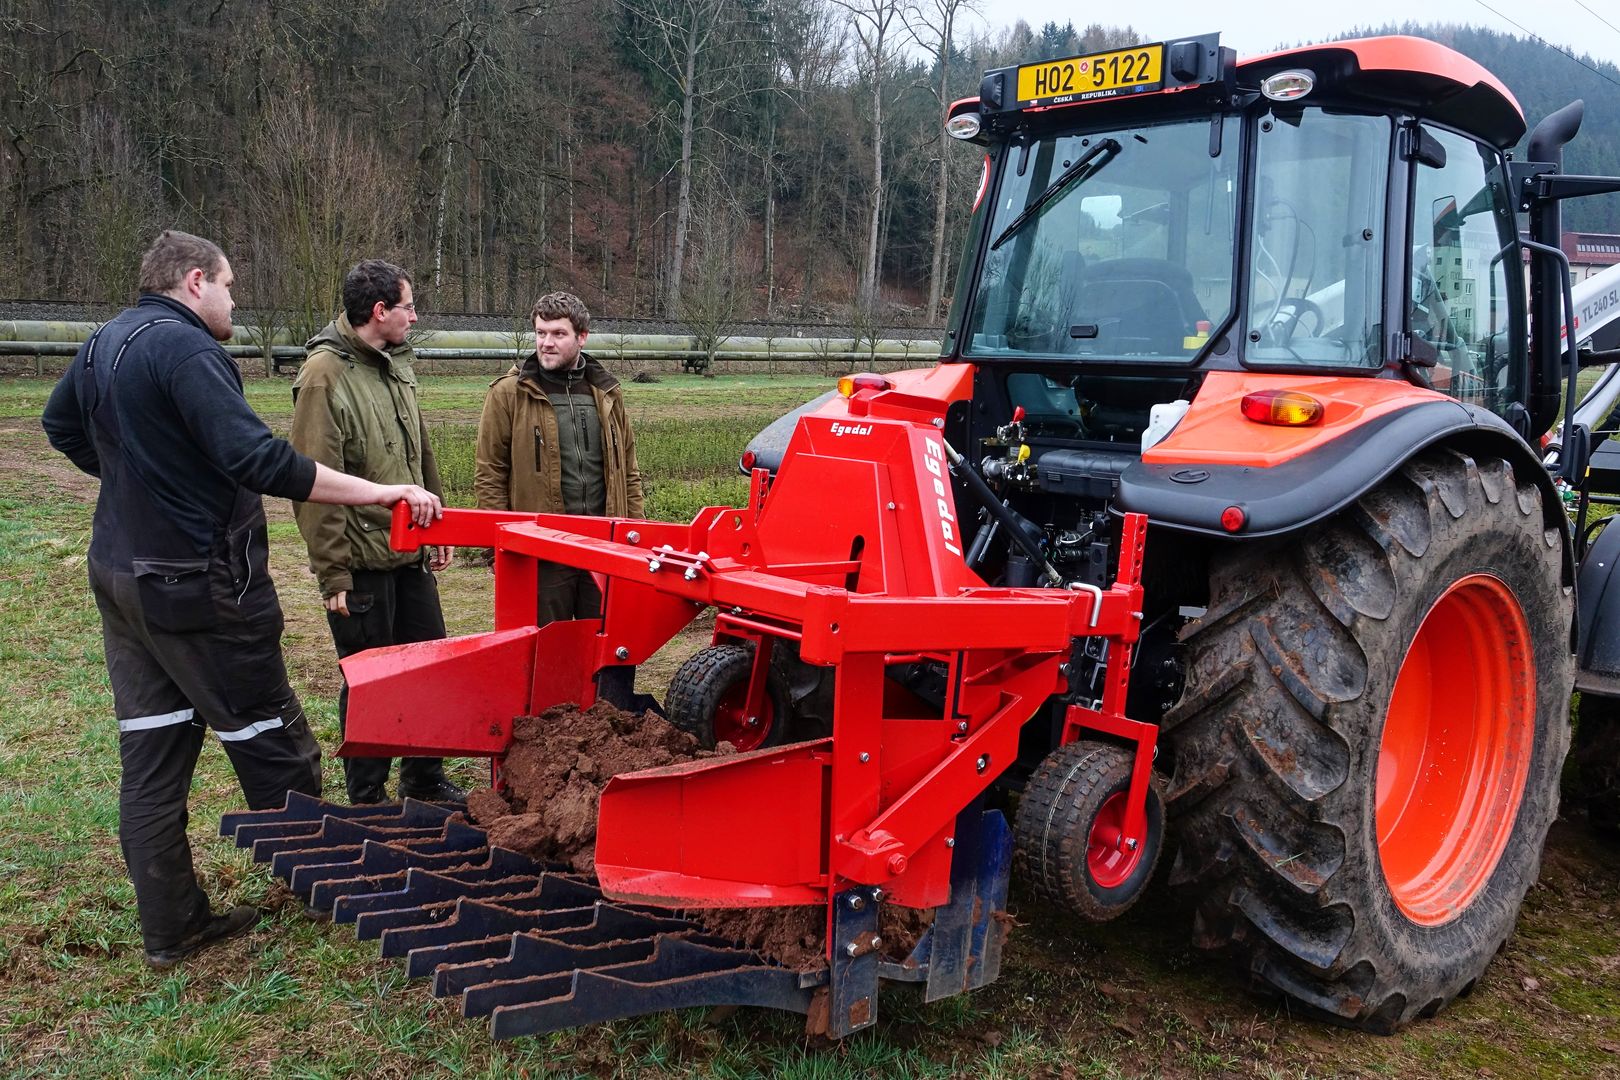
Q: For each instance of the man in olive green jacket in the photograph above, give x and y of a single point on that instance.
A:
(554, 438)
(355, 410)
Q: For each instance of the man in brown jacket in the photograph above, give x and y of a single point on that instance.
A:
(355, 410)
(554, 438)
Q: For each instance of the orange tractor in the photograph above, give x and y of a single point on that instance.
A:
(1223, 518)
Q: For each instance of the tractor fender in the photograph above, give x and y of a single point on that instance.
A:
(1598, 670)
(1300, 492)
(770, 445)
(1284, 498)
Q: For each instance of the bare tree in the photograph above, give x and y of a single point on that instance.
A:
(712, 299)
(875, 25)
(322, 198)
(704, 50)
(932, 25)
(118, 210)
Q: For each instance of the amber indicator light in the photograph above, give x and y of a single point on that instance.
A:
(1284, 408)
(863, 380)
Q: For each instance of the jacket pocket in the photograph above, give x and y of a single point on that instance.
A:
(372, 519)
(175, 595)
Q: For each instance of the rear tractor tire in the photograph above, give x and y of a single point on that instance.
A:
(1366, 757)
(709, 694)
(1068, 846)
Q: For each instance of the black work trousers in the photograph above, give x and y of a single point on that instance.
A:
(566, 592)
(387, 607)
(214, 662)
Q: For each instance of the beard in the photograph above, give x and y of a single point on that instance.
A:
(220, 326)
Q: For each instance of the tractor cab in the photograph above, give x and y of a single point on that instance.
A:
(1341, 210)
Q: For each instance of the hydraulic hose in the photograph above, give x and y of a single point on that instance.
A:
(1010, 521)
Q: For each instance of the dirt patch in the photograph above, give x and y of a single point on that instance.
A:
(901, 928)
(24, 451)
(556, 769)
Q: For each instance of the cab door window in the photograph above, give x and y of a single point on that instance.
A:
(1464, 285)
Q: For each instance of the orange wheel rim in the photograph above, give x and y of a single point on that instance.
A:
(1455, 750)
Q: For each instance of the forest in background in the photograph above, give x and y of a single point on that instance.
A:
(697, 160)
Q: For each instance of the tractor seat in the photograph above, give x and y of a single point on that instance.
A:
(1148, 303)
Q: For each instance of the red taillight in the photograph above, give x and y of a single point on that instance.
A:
(1233, 518)
(748, 459)
(1285, 408)
(862, 380)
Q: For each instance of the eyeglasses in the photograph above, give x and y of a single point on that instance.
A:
(408, 307)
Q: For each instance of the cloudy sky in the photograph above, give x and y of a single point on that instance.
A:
(1577, 26)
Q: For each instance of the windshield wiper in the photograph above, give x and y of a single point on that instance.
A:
(1083, 169)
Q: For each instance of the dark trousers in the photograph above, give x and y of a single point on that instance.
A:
(168, 687)
(567, 592)
(387, 607)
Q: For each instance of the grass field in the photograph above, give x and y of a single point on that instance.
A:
(304, 999)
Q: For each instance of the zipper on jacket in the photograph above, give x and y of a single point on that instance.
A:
(539, 449)
(247, 557)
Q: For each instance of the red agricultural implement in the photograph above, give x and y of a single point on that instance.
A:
(1224, 513)
(862, 584)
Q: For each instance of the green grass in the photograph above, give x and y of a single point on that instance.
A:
(304, 999)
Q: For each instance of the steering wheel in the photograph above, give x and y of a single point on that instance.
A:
(1290, 310)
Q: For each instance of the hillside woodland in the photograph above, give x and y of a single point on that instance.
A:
(696, 160)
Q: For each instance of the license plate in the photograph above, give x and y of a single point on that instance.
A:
(1089, 78)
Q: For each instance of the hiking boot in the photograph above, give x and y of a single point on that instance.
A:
(235, 922)
(443, 791)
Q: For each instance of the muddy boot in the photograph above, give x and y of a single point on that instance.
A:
(235, 922)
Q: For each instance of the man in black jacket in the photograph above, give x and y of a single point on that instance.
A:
(180, 571)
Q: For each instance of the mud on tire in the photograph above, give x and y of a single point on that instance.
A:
(1277, 740)
(1057, 824)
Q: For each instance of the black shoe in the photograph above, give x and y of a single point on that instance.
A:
(443, 791)
(235, 922)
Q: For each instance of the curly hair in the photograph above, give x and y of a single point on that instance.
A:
(562, 305)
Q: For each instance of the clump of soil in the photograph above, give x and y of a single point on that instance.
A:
(796, 936)
(555, 771)
(901, 928)
(792, 936)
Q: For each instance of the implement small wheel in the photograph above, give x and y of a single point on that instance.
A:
(1069, 846)
(708, 697)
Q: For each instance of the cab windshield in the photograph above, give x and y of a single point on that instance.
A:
(1115, 244)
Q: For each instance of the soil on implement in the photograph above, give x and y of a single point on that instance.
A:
(555, 772)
